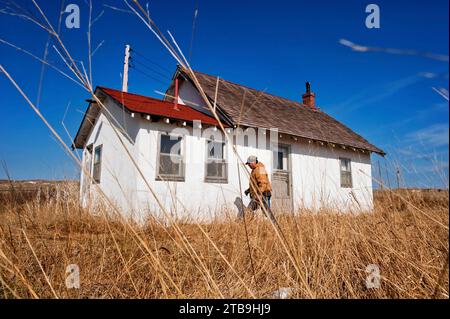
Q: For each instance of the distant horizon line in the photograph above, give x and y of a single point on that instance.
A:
(77, 181)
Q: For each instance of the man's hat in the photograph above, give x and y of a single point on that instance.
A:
(251, 159)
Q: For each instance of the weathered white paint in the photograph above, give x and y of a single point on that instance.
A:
(315, 171)
(118, 176)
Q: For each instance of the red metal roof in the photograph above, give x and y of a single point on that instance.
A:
(147, 105)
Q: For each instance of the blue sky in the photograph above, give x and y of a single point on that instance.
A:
(272, 45)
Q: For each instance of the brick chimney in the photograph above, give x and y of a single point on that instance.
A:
(309, 98)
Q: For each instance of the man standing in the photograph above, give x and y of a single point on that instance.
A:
(259, 189)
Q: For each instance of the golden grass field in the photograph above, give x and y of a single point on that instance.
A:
(322, 255)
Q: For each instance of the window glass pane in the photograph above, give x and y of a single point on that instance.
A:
(280, 160)
(216, 166)
(170, 165)
(285, 161)
(346, 173)
(210, 149)
(215, 149)
(245, 140)
(96, 173)
(96, 169)
(216, 169)
(97, 154)
(345, 165)
(170, 162)
(170, 144)
(346, 179)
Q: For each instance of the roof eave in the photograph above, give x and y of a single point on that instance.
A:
(75, 143)
(82, 144)
(156, 115)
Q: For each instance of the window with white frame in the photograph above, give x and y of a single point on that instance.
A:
(97, 167)
(346, 172)
(170, 158)
(216, 165)
(280, 158)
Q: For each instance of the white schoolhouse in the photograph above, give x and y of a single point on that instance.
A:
(313, 160)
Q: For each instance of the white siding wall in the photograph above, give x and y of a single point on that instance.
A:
(315, 173)
(194, 197)
(118, 176)
(315, 178)
(315, 169)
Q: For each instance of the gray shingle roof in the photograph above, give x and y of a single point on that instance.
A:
(265, 110)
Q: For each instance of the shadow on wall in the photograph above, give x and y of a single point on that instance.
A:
(130, 124)
(98, 132)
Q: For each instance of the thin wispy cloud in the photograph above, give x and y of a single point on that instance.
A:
(424, 113)
(421, 165)
(415, 152)
(435, 135)
(441, 165)
(376, 94)
(363, 48)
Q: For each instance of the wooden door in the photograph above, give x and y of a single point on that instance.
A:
(281, 179)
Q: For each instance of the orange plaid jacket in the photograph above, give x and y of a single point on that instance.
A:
(259, 181)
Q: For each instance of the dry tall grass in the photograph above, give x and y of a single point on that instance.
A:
(43, 232)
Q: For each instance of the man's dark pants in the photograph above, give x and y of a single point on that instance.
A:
(255, 203)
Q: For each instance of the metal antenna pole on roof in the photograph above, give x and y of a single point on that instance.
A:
(125, 69)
